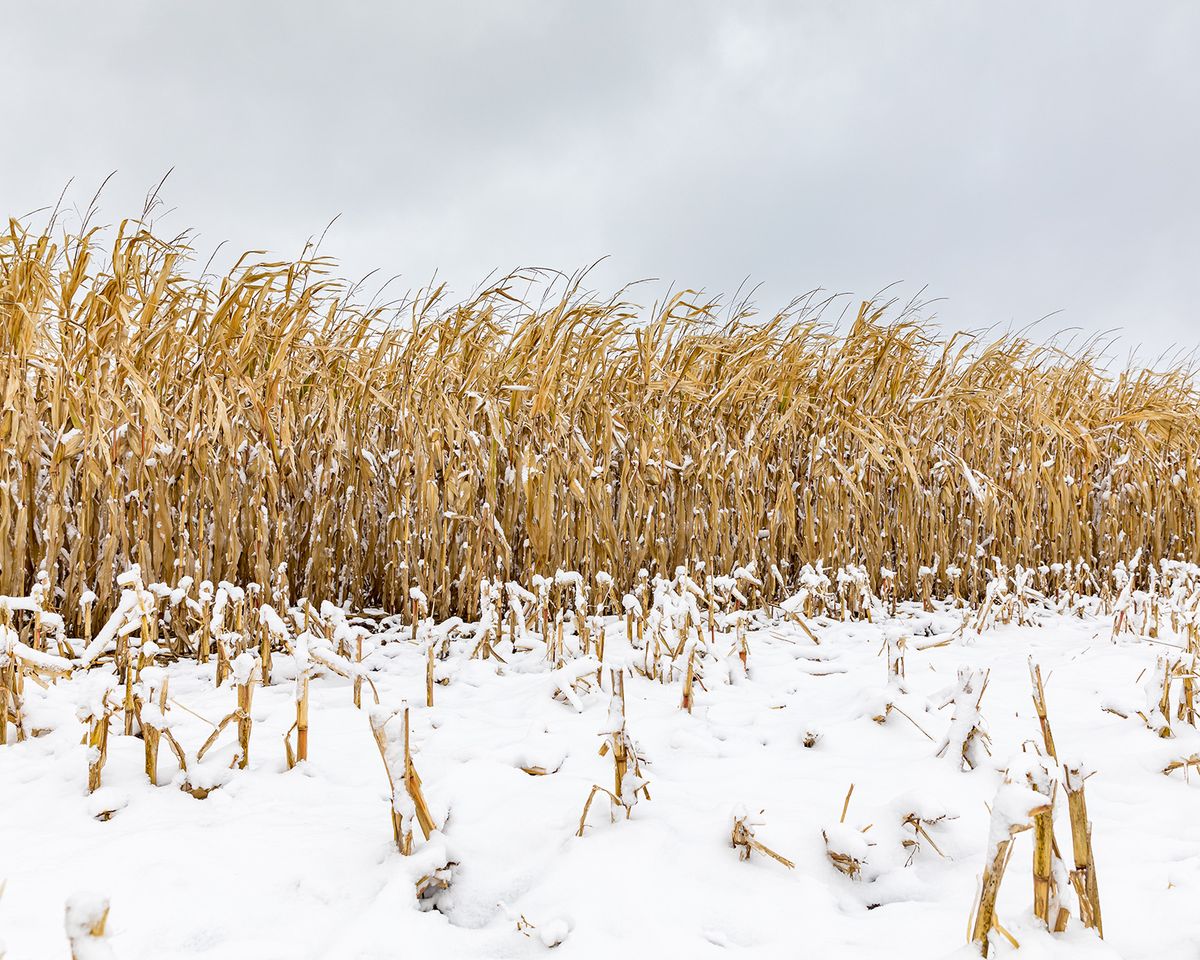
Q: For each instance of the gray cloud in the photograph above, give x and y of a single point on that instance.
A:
(1015, 159)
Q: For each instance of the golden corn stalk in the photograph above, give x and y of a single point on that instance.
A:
(628, 783)
(429, 680)
(246, 673)
(1045, 854)
(412, 783)
(1028, 804)
(1084, 876)
(1186, 764)
(299, 752)
(358, 676)
(843, 861)
(401, 772)
(743, 840)
(152, 731)
(97, 718)
(1039, 705)
(967, 734)
(85, 920)
(985, 919)
(689, 679)
(10, 687)
(919, 824)
(334, 450)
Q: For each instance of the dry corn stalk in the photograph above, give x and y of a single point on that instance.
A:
(1084, 876)
(431, 884)
(97, 717)
(1046, 900)
(850, 864)
(245, 673)
(966, 739)
(1013, 810)
(287, 462)
(689, 679)
(847, 848)
(1185, 671)
(272, 629)
(419, 604)
(10, 680)
(1039, 704)
(429, 679)
(85, 921)
(628, 782)
(1157, 692)
(397, 761)
(299, 753)
(743, 840)
(358, 674)
(918, 823)
(1187, 763)
(895, 658)
(151, 708)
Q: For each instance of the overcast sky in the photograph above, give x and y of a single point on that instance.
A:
(1013, 158)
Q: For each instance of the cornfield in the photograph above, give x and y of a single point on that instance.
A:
(263, 426)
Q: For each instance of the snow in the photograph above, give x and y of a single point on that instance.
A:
(301, 863)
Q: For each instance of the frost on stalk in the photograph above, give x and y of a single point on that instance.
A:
(919, 815)
(520, 601)
(338, 647)
(570, 681)
(628, 781)
(551, 933)
(743, 840)
(150, 703)
(541, 591)
(418, 607)
(966, 740)
(748, 575)
(1123, 579)
(10, 697)
(85, 921)
(604, 587)
(245, 673)
(273, 632)
(882, 704)
(887, 588)
(846, 848)
(1157, 692)
(117, 623)
(574, 580)
(408, 800)
(634, 615)
(96, 712)
(417, 596)
(854, 592)
(1018, 801)
(430, 866)
(487, 633)
(925, 576)
(811, 599)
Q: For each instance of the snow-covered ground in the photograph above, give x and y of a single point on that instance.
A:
(301, 863)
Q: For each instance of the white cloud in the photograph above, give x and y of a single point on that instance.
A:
(1017, 159)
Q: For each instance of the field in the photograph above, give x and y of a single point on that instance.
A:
(543, 621)
(782, 776)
